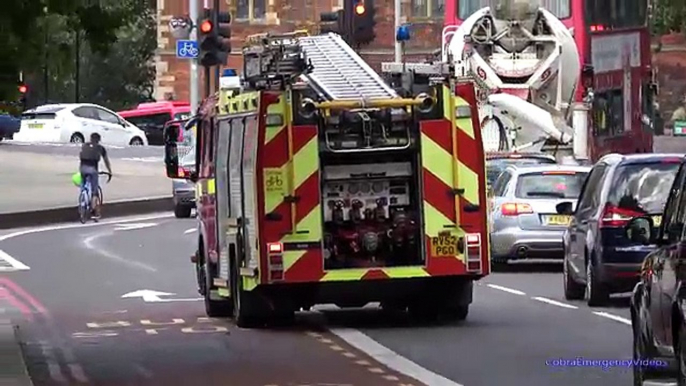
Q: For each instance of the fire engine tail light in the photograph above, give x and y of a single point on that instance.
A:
(473, 252)
(275, 261)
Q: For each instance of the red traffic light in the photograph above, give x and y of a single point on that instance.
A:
(206, 26)
(23, 89)
(359, 8)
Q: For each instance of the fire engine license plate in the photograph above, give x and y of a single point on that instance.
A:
(557, 220)
(443, 246)
(657, 221)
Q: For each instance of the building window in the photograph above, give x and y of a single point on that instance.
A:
(608, 113)
(433, 9)
(251, 9)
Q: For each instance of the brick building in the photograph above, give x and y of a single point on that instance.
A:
(257, 16)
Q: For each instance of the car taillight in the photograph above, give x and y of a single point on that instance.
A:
(515, 209)
(615, 217)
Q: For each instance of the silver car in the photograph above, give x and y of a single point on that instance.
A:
(524, 220)
(184, 190)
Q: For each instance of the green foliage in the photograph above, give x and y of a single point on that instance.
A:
(668, 16)
(116, 36)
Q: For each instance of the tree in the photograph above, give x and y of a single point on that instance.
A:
(23, 38)
(668, 16)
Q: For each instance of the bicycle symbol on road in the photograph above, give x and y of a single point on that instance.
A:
(186, 49)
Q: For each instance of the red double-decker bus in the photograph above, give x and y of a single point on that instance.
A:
(613, 40)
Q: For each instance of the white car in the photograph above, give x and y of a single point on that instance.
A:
(75, 122)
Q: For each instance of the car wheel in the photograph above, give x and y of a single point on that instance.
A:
(680, 353)
(182, 211)
(76, 138)
(135, 141)
(573, 290)
(638, 352)
(595, 292)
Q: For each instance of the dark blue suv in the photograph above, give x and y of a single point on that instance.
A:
(599, 259)
(9, 126)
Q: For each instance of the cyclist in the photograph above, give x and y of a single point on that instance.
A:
(91, 153)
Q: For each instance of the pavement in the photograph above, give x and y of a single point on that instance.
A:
(38, 177)
(76, 326)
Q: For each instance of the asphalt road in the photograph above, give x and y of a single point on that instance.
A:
(77, 324)
(79, 330)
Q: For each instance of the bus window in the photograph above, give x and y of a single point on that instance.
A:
(560, 8)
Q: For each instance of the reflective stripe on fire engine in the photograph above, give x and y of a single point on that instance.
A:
(358, 274)
(303, 183)
(241, 103)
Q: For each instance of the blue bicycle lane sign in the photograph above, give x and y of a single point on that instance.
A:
(186, 49)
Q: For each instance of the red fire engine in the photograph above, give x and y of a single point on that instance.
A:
(318, 183)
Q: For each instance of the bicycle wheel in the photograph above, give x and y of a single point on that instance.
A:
(84, 206)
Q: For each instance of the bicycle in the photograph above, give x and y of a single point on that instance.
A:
(85, 196)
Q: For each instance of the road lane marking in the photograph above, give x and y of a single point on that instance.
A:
(9, 263)
(74, 226)
(78, 373)
(389, 358)
(189, 231)
(131, 227)
(89, 242)
(555, 303)
(505, 289)
(616, 318)
(54, 368)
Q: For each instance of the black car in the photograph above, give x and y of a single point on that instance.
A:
(658, 301)
(598, 259)
(9, 126)
(496, 163)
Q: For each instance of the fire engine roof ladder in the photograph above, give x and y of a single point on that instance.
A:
(339, 73)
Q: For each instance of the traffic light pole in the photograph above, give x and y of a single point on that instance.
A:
(398, 45)
(194, 81)
(217, 69)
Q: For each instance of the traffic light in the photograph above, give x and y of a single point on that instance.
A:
(214, 38)
(363, 22)
(333, 22)
(23, 89)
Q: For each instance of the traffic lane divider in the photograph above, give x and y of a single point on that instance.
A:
(70, 213)
(12, 354)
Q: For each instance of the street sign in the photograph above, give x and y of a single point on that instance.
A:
(186, 49)
(679, 128)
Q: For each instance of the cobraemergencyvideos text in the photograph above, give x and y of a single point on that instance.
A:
(605, 364)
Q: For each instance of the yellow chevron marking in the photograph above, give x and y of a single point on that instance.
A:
(306, 161)
(465, 124)
(437, 160)
(469, 181)
(272, 132)
(435, 220)
(353, 274)
(405, 272)
(311, 223)
(291, 257)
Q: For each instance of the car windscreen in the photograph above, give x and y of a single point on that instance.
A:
(644, 187)
(496, 166)
(550, 185)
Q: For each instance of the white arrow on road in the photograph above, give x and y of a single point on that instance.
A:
(130, 227)
(151, 296)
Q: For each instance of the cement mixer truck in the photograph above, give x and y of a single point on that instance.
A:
(558, 75)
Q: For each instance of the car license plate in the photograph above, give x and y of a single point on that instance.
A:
(444, 246)
(35, 125)
(657, 221)
(557, 220)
